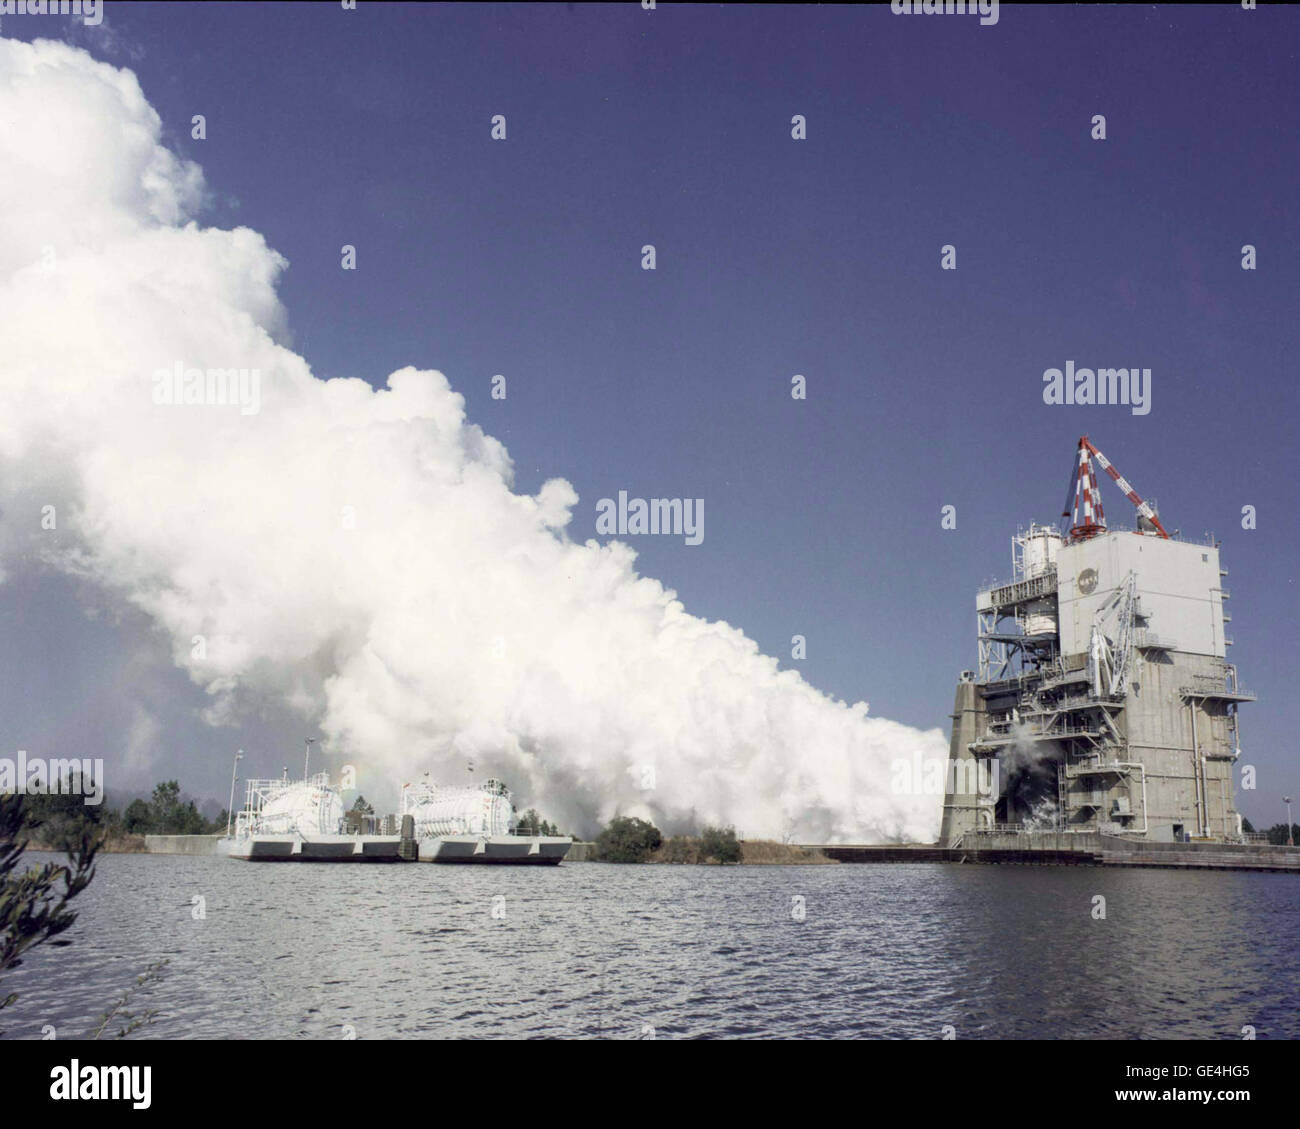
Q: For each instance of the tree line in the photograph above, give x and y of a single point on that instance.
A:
(530, 823)
(60, 820)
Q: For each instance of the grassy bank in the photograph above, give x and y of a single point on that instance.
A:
(767, 851)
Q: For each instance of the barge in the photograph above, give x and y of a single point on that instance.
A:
(304, 821)
(475, 825)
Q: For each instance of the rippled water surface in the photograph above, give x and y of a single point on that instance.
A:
(589, 951)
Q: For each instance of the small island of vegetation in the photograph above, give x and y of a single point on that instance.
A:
(629, 839)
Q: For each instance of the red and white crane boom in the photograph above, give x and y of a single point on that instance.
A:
(1083, 502)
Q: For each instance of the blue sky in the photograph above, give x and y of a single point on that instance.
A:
(774, 257)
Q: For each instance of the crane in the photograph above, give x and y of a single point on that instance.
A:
(1083, 501)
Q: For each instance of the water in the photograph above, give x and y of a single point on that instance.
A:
(592, 951)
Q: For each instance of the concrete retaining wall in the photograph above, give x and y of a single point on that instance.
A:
(1047, 848)
(1201, 856)
(1038, 841)
(181, 844)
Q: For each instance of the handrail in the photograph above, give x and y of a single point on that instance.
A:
(1015, 591)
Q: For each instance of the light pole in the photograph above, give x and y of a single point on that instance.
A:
(1290, 829)
(230, 809)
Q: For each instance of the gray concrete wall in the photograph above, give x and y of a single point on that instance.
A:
(1159, 723)
(961, 810)
(1038, 841)
(181, 844)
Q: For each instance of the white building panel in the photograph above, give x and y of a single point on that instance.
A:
(1178, 584)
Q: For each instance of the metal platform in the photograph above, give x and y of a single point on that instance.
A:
(516, 850)
(317, 848)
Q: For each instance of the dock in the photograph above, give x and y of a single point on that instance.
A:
(1057, 848)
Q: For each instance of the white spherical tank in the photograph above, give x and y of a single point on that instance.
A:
(483, 810)
(306, 807)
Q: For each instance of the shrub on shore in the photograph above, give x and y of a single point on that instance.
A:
(719, 843)
(627, 839)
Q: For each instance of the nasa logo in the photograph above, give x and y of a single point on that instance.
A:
(1088, 581)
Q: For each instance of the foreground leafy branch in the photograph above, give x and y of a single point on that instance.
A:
(34, 902)
(132, 1020)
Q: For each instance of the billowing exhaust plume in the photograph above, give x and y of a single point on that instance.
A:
(358, 554)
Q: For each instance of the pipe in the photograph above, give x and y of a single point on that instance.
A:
(1198, 774)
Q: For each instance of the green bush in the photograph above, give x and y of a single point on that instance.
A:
(627, 839)
(719, 843)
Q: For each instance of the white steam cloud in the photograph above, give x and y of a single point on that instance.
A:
(359, 554)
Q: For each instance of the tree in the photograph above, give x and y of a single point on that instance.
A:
(62, 813)
(192, 823)
(173, 814)
(166, 809)
(627, 839)
(1247, 826)
(138, 818)
(34, 903)
(720, 843)
(356, 819)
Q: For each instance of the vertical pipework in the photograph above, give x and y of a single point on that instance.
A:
(1198, 775)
